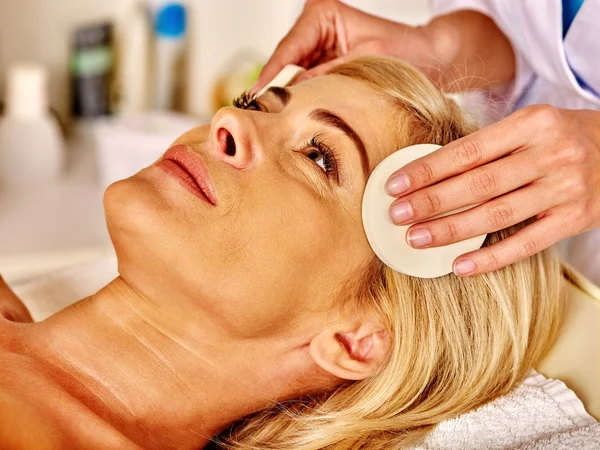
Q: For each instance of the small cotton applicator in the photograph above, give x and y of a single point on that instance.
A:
(283, 78)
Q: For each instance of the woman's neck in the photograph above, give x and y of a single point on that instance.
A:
(163, 380)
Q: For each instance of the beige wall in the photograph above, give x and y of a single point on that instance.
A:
(219, 37)
(41, 30)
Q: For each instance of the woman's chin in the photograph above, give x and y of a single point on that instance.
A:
(139, 206)
(147, 211)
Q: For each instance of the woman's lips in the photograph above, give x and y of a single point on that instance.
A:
(189, 170)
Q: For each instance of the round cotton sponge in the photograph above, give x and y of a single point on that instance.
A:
(388, 240)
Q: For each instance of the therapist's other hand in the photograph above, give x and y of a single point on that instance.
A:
(540, 162)
(11, 306)
(329, 33)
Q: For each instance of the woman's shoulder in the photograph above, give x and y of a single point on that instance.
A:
(23, 425)
(36, 413)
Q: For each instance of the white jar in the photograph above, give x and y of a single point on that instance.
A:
(31, 143)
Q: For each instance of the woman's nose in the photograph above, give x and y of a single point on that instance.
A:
(232, 137)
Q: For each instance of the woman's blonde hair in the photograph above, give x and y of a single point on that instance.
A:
(457, 343)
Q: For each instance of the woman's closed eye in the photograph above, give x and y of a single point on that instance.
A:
(246, 101)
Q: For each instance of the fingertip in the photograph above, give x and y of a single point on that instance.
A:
(263, 76)
(254, 89)
(397, 184)
(258, 85)
(463, 267)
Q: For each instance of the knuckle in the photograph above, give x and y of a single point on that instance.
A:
(450, 231)
(484, 184)
(424, 174)
(468, 153)
(528, 247)
(553, 158)
(576, 184)
(571, 152)
(499, 216)
(493, 261)
(546, 117)
(432, 202)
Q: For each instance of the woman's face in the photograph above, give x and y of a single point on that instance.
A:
(285, 230)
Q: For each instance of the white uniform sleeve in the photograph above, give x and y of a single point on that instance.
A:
(492, 8)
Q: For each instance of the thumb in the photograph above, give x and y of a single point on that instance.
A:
(301, 41)
(269, 71)
(302, 44)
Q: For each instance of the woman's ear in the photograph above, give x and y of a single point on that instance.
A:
(351, 350)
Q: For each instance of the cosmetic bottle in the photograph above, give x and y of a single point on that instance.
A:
(170, 23)
(92, 61)
(31, 143)
(133, 42)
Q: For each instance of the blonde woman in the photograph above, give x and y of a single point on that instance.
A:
(247, 289)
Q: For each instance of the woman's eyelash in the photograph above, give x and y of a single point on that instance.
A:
(246, 101)
(324, 152)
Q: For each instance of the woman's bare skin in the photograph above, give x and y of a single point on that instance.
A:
(162, 390)
(220, 309)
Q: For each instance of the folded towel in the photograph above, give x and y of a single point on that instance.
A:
(50, 293)
(539, 414)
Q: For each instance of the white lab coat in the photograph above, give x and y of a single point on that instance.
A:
(546, 69)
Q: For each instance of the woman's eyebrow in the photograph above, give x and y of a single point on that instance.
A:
(281, 93)
(331, 119)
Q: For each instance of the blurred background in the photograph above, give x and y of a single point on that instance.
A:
(91, 91)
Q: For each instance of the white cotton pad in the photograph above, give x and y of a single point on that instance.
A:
(388, 240)
(283, 78)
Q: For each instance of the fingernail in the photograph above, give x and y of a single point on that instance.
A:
(464, 267)
(419, 237)
(401, 212)
(397, 184)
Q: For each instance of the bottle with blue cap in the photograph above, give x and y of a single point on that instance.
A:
(170, 24)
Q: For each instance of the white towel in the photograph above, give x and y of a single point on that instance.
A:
(50, 293)
(539, 414)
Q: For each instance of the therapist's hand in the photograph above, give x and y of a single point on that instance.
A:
(462, 50)
(329, 33)
(11, 306)
(539, 162)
